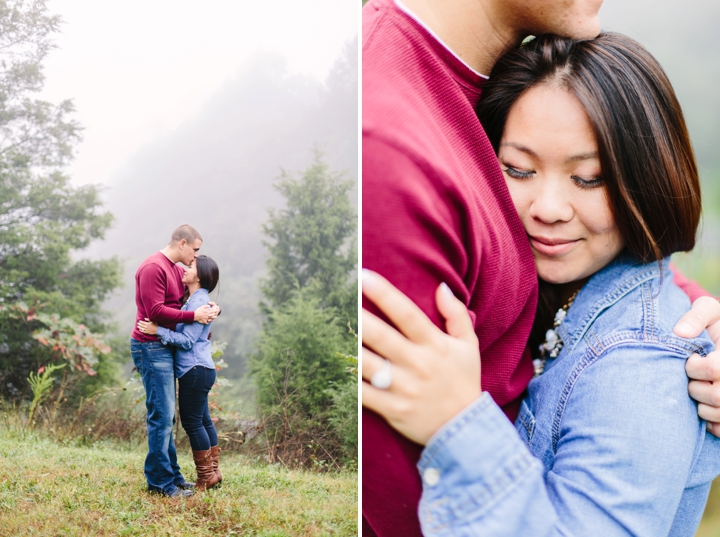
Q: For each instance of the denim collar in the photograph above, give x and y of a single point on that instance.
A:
(605, 288)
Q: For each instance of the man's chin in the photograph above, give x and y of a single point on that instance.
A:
(589, 30)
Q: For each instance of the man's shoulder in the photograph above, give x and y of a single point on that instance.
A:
(394, 59)
(412, 100)
(156, 263)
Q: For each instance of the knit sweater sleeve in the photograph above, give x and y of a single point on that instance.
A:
(692, 289)
(152, 281)
(415, 226)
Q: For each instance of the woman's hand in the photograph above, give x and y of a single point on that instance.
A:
(434, 375)
(147, 327)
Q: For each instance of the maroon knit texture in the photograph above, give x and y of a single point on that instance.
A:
(435, 209)
(159, 292)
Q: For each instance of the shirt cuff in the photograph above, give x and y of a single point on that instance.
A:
(471, 463)
(162, 333)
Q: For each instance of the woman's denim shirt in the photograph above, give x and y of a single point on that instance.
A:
(191, 339)
(607, 441)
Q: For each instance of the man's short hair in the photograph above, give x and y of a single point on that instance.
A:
(185, 232)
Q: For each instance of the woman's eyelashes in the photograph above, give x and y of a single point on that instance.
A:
(592, 182)
(582, 182)
(517, 174)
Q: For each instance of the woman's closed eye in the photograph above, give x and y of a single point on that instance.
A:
(587, 182)
(518, 174)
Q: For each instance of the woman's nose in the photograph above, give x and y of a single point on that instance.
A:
(552, 203)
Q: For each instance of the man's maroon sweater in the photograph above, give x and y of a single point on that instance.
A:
(159, 292)
(435, 209)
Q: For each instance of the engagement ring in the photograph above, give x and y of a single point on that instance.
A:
(382, 379)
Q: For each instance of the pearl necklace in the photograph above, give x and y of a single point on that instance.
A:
(553, 342)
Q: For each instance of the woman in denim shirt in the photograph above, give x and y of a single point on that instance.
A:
(607, 442)
(195, 371)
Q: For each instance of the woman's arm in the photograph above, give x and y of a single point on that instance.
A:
(185, 337)
(624, 447)
(622, 454)
(186, 334)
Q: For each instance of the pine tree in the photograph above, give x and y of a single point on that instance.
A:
(312, 241)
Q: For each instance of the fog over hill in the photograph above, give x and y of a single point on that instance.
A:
(216, 173)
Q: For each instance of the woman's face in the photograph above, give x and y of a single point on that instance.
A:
(549, 156)
(190, 275)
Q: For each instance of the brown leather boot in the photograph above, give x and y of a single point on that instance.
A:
(206, 477)
(215, 457)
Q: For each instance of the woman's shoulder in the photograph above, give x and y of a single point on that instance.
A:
(197, 299)
(633, 304)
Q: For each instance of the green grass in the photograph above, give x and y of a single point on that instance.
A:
(50, 489)
(710, 524)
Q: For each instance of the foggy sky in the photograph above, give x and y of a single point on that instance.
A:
(138, 69)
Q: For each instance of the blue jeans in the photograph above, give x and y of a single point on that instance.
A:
(154, 362)
(195, 385)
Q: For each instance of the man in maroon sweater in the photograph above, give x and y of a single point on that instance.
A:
(159, 292)
(435, 205)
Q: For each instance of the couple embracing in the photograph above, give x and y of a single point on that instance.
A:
(171, 340)
(532, 361)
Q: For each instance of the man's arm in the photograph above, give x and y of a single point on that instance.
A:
(152, 285)
(412, 231)
(692, 289)
(411, 237)
(187, 335)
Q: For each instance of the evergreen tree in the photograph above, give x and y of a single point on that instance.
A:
(299, 355)
(310, 298)
(43, 217)
(312, 241)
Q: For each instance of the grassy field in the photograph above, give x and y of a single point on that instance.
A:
(710, 524)
(49, 489)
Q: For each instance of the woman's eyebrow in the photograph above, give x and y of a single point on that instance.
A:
(583, 156)
(580, 156)
(520, 147)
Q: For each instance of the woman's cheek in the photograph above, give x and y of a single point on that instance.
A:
(598, 217)
(519, 194)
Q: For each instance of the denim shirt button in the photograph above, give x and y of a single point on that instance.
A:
(431, 476)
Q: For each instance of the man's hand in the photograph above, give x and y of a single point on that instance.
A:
(205, 314)
(704, 373)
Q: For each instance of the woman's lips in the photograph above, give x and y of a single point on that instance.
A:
(551, 247)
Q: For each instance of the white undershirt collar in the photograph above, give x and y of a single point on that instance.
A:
(414, 17)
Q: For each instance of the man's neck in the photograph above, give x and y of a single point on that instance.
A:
(170, 253)
(468, 27)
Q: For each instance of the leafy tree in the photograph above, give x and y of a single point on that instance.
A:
(312, 242)
(43, 217)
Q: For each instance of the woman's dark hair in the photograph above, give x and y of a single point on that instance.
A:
(208, 272)
(646, 158)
